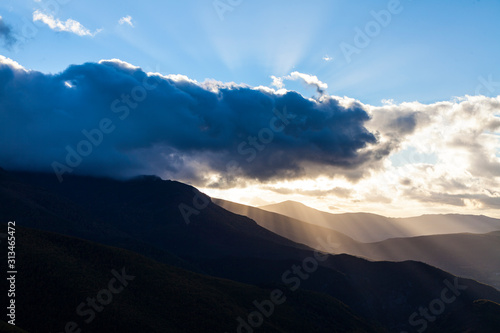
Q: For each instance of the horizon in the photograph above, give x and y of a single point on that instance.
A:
(361, 212)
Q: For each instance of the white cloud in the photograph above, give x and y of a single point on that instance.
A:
(462, 136)
(57, 25)
(118, 63)
(277, 82)
(327, 58)
(126, 20)
(11, 63)
(308, 79)
(463, 176)
(311, 80)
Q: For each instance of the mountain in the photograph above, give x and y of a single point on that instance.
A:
(293, 229)
(289, 227)
(366, 227)
(143, 213)
(146, 215)
(57, 274)
(475, 256)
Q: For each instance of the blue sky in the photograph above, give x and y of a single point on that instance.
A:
(394, 106)
(429, 51)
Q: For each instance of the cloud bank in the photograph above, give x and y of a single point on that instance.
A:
(112, 118)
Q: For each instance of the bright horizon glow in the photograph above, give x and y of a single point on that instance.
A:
(258, 199)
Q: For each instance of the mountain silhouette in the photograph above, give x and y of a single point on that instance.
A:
(143, 215)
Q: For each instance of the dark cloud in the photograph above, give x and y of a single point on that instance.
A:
(122, 122)
(450, 184)
(398, 122)
(6, 34)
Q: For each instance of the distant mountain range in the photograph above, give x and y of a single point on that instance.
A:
(474, 256)
(366, 227)
(200, 267)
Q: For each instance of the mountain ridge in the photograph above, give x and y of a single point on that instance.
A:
(471, 255)
(358, 225)
(225, 245)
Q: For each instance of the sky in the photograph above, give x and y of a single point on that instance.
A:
(390, 107)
